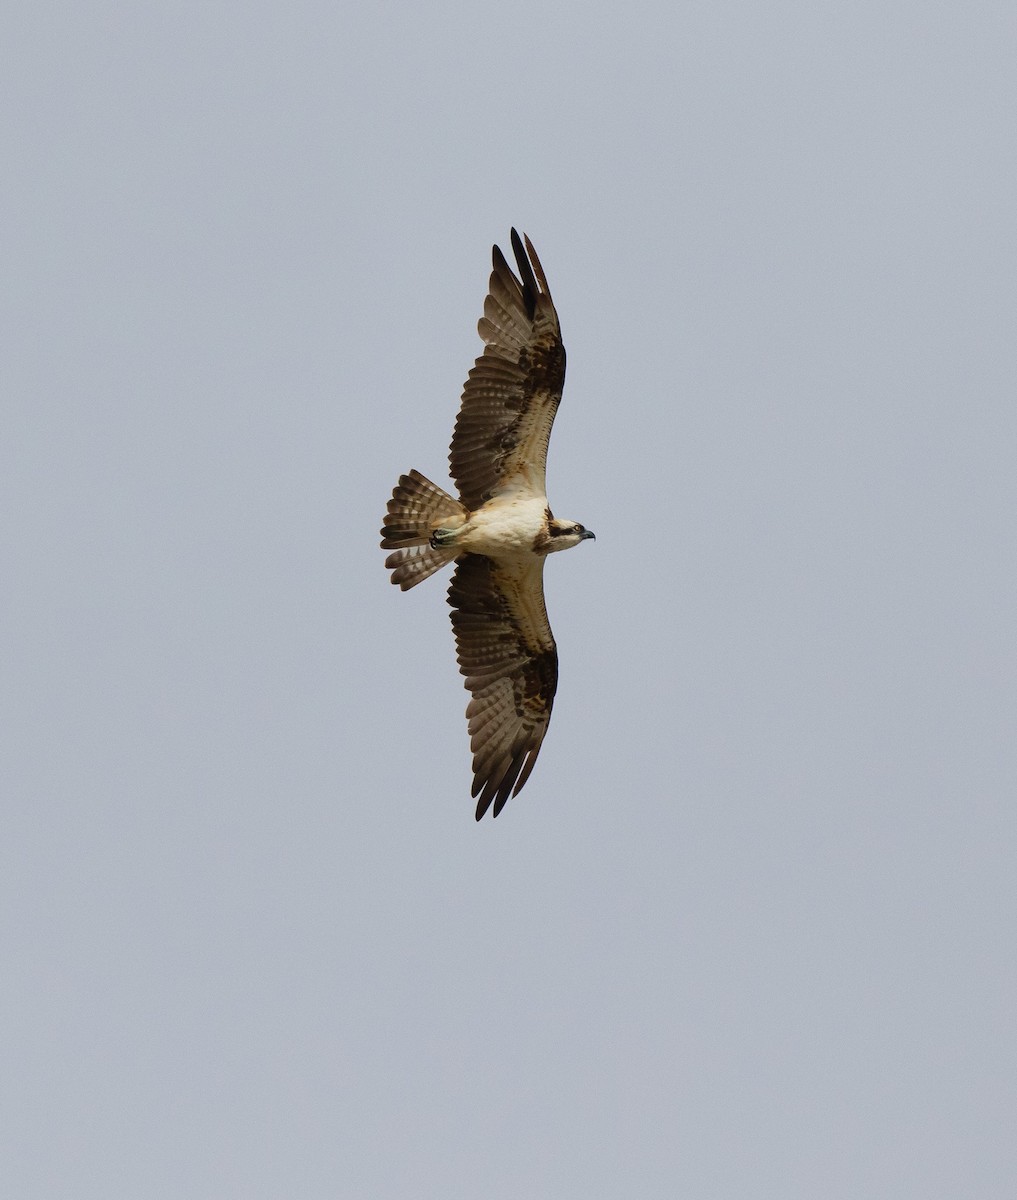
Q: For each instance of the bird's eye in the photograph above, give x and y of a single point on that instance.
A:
(580, 529)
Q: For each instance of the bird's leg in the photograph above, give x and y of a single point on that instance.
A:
(442, 537)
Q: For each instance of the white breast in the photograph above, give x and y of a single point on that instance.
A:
(504, 526)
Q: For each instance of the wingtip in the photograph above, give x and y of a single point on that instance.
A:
(531, 289)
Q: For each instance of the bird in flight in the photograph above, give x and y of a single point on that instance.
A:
(500, 530)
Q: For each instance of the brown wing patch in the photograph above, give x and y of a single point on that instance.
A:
(511, 396)
(507, 653)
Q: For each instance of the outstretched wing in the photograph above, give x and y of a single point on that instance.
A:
(512, 393)
(507, 653)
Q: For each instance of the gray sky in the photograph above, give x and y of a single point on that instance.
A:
(749, 931)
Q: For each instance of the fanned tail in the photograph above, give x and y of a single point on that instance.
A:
(418, 507)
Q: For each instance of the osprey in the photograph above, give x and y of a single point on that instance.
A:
(500, 529)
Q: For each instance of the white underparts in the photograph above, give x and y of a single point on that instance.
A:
(504, 526)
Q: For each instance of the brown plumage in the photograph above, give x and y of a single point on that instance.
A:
(500, 530)
(512, 394)
(508, 655)
(417, 506)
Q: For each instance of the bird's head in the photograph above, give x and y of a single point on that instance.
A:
(563, 535)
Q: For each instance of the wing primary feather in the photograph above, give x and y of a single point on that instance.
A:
(526, 275)
(538, 269)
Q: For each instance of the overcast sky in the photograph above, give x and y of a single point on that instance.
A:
(749, 931)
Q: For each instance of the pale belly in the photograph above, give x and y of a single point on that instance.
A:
(504, 527)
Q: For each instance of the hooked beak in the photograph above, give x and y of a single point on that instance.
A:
(588, 533)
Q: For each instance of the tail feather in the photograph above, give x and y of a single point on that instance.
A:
(418, 507)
